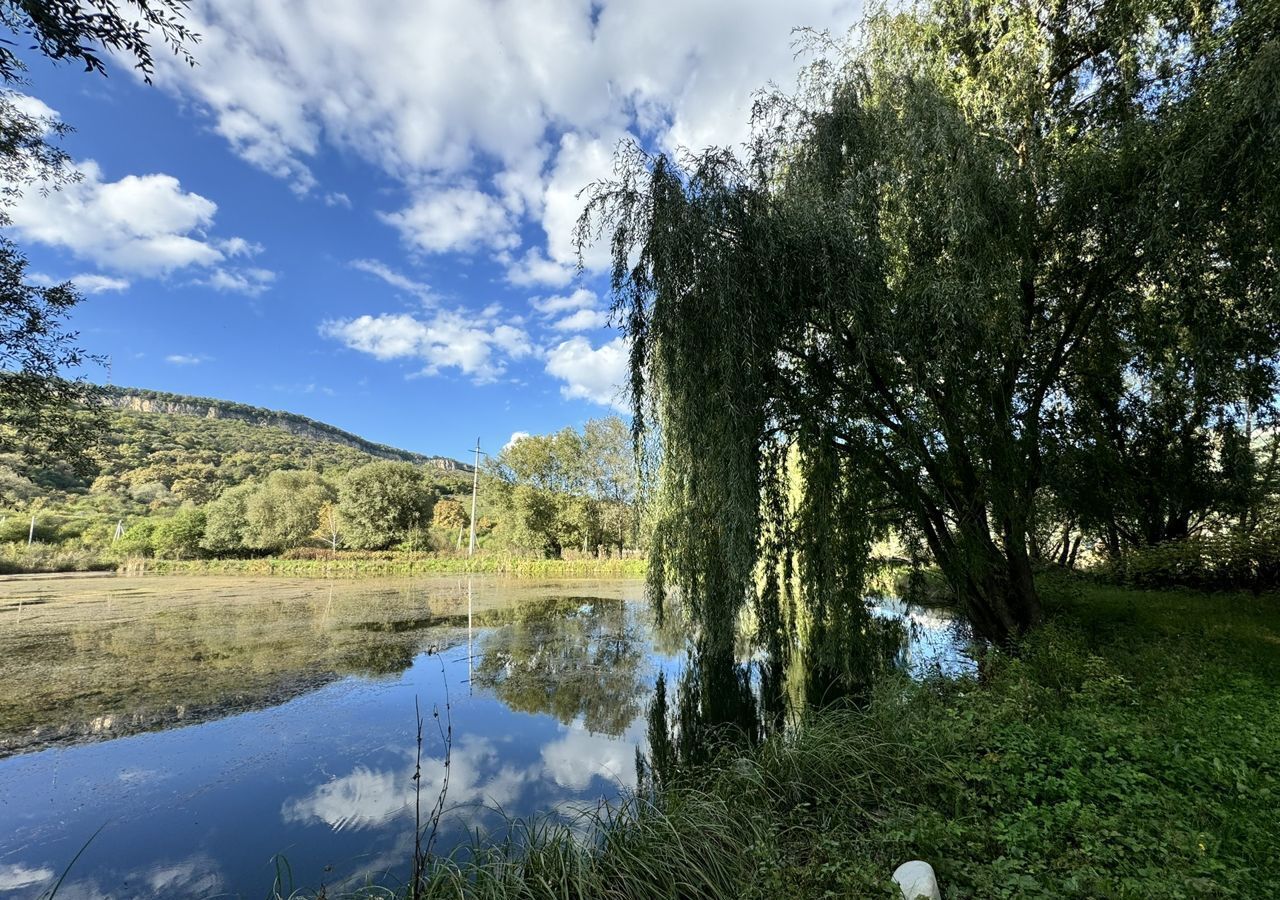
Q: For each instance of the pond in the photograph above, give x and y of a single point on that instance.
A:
(204, 736)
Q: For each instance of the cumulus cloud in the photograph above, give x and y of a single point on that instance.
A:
(516, 436)
(533, 268)
(40, 113)
(14, 876)
(578, 757)
(364, 798)
(562, 81)
(590, 373)
(455, 219)
(550, 306)
(583, 320)
(475, 344)
(144, 225)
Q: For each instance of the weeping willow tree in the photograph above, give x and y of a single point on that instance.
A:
(890, 280)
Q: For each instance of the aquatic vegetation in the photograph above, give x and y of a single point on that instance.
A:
(355, 565)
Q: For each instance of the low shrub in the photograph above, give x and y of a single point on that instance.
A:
(1208, 563)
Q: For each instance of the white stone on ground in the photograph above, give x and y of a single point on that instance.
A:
(916, 879)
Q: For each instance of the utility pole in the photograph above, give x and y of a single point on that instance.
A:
(31, 535)
(475, 487)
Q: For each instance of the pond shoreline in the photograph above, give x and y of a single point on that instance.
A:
(519, 567)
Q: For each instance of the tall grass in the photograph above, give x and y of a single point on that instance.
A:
(734, 829)
(18, 558)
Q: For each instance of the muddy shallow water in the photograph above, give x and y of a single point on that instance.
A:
(213, 727)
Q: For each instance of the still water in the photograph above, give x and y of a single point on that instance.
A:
(212, 735)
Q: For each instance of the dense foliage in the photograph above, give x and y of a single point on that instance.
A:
(990, 258)
(570, 489)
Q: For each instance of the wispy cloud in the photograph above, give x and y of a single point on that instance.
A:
(398, 280)
(187, 359)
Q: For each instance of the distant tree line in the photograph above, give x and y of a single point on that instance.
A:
(187, 486)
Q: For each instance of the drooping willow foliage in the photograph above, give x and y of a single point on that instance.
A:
(878, 303)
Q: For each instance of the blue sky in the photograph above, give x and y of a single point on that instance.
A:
(362, 212)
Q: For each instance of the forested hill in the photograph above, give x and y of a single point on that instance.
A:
(164, 403)
(156, 451)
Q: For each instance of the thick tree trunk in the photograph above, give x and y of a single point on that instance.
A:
(996, 584)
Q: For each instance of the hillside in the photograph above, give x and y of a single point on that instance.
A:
(164, 403)
(159, 450)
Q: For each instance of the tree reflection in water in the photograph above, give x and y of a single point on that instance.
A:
(572, 658)
(765, 684)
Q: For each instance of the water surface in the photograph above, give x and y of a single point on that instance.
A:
(216, 733)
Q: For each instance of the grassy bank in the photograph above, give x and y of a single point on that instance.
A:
(405, 564)
(1131, 750)
(17, 559)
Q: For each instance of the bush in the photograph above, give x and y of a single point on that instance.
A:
(1209, 563)
(179, 535)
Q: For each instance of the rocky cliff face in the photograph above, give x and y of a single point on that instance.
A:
(204, 408)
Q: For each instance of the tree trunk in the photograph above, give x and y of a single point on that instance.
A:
(996, 585)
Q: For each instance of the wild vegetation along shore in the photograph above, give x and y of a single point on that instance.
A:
(1130, 749)
(392, 564)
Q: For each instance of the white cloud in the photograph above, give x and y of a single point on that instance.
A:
(513, 341)
(15, 875)
(32, 108)
(187, 359)
(397, 280)
(529, 97)
(580, 162)
(590, 373)
(515, 436)
(251, 282)
(99, 284)
(85, 282)
(140, 225)
(474, 344)
(238, 246)
(454, 220)
(583, 320)
(367, 798)
(550, 306)
(535, 269)
(577, 758)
